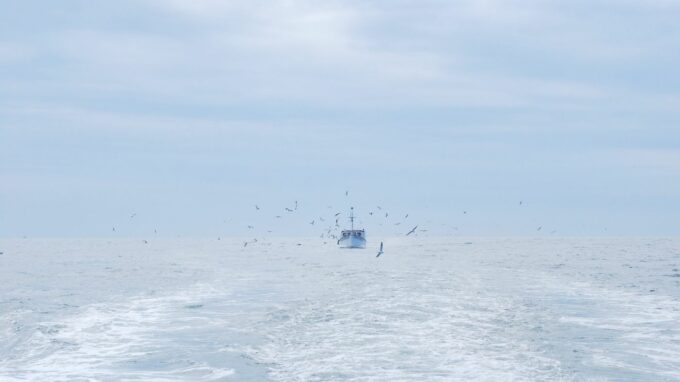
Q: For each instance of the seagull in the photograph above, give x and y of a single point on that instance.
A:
(337, 214)
(257, 207)
(250, 227)
(539, 228)
(288, 209)
(465, 212)
(371, 213)
(146, 242)
(380, 252)
(245, 244)
(406, 217)
(312, 222)
(412, 231)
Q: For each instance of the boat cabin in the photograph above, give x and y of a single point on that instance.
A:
(353, 232)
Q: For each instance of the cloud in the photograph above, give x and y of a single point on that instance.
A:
(666, 160)
(13, 52)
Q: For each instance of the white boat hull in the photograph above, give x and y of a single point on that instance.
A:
(352, 242)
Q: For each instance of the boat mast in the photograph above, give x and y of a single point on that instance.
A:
(351, 217)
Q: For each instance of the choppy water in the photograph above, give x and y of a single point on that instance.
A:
(599, 309)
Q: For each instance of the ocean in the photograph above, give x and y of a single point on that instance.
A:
(281, 309)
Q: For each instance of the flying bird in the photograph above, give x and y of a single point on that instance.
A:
(406, 217)
(346, 193)
(133, 215)
(312, 222)
(250, 227)
(380, 252)
(337, 214)
(296, 204)
(288, 209)
(412, 231)
(520, 202)
(539, 228)
(245, 244)
(257, 207)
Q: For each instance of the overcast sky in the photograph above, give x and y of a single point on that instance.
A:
(188, 113)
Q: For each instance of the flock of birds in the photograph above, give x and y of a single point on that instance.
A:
(331, 229)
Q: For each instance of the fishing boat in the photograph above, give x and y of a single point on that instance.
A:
(352, 238)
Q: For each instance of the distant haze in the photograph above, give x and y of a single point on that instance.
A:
(189, 113)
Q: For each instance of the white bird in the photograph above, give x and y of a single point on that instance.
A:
(380, 252)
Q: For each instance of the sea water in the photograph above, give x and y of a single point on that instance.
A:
(428, 309)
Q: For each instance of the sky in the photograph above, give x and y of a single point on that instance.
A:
(179, 116)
